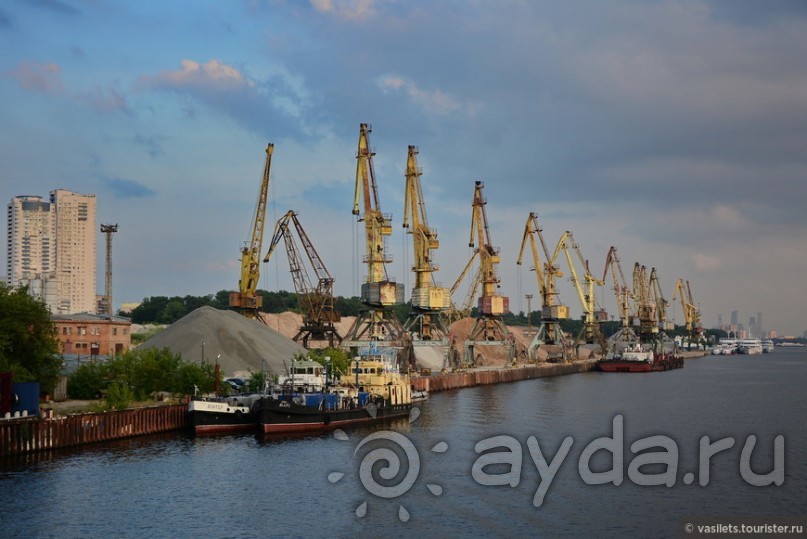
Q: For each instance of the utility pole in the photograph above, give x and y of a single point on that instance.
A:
(108, 230)
(529, 311)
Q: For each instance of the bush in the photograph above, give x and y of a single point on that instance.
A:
(119, 396)
(87, 381)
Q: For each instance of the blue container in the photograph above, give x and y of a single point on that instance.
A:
(331, 401)
(363, 398)
(27, 397)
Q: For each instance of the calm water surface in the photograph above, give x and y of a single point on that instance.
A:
(243, 486)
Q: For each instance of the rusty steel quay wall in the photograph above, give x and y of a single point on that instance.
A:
(25, 435)
(478, 377)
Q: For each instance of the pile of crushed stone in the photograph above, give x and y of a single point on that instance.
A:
(244, 345)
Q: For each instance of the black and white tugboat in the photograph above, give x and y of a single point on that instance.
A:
(377, 391)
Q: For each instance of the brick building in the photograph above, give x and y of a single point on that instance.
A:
(93, 334)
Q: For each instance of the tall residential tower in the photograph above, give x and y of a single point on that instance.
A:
(52, 248)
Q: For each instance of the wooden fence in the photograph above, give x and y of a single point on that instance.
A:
(26, 435)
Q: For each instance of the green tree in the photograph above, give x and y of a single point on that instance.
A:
(28, 344)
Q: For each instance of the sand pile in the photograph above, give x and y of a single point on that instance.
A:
(245, 345)
(288, 323)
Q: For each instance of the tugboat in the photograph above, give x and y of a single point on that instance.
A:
(635, 358)
(378, 391)
(217, 415)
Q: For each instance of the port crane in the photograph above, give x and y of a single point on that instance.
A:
(692, 315)
(488, 329)
(549, 330)
(625, 336)
(661, 303)
(315, 301)
(379, 293)
(592, 317)
(246, 301)
(429, 301)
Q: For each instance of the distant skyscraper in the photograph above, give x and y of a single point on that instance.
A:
(735, 318)
(719, 321)
(752, 326)
(52, 249)
(760, 329)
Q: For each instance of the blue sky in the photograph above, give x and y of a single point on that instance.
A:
(674, 130)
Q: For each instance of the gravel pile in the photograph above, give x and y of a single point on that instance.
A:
(245, 345)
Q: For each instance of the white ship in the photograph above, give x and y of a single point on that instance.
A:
(750, 346)
(767, 346)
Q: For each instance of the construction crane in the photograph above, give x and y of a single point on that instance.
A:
(585, 293)
(549, 331)
(692, 315)
(378, 293)
(246, 300)
(316, 301)
(429, 301)
(488, 327)
(625, 336)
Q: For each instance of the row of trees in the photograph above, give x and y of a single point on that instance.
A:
(167, 310)
(137, 374)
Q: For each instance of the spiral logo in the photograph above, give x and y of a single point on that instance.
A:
(391, 467)
(385, 463)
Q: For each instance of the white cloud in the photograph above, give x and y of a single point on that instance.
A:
(346, 9)
(436, 102)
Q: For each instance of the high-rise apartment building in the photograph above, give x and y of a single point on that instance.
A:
(52, 248)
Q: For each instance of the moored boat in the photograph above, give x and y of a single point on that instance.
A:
(635, 358)
(215, 415)
(378, 391)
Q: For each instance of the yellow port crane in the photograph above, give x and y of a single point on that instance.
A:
(692, 315)
(246, 301)
(661, 303)
(549, 331)
(429, 301)
(488, 327)
(625, 335)
(623, 293)
(646, 307)
(316, 302)
(592, 317)
(378, 293)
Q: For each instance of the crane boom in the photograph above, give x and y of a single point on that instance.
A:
(661, 303)
(246, 301)
(586, 294)
(377, 290)
(545, 273)
(428, 299)
(316, 301)
(621, 290)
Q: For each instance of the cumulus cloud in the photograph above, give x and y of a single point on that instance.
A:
(435, 102)
(45, 78)
(211, 76)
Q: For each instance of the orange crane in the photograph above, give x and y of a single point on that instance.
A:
(378, 293)
(488, 328)
(646, 307)
(549, 331)
(316, 302)
(661, 303)
(429, 301)
(246, 301)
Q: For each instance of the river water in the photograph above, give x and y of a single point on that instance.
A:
(247, 486)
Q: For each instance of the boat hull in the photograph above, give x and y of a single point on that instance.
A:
(284, 417)
(219, 417)
(663, 362)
